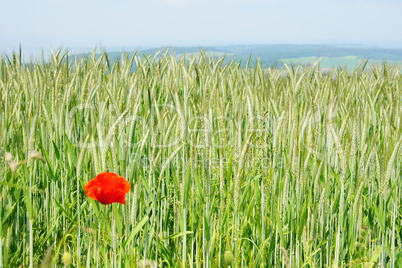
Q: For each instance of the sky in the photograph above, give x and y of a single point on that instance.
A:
(86, 24)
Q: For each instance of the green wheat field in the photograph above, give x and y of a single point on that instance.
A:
(228, 166)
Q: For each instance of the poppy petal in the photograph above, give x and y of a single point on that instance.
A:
(91, 188)
(123, 185)
(108, 196)
(107, 178)
(107, 188)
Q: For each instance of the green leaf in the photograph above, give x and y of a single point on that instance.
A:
(136, 229)
(302, 221)
(177, 235)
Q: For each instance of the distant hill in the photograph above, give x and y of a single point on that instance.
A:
(332, 56)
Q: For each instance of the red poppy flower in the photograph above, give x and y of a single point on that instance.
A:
(108, 188)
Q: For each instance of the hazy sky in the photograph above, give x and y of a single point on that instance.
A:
(149, 23)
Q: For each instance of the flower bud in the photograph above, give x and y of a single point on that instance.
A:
(13, 166)
(66, 258)
(9, 157)
(35, 155)
(147, 264)
(229, 258)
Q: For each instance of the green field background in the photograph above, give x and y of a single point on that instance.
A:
(228, 166)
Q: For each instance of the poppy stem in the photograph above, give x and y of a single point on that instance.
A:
(114, 235)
